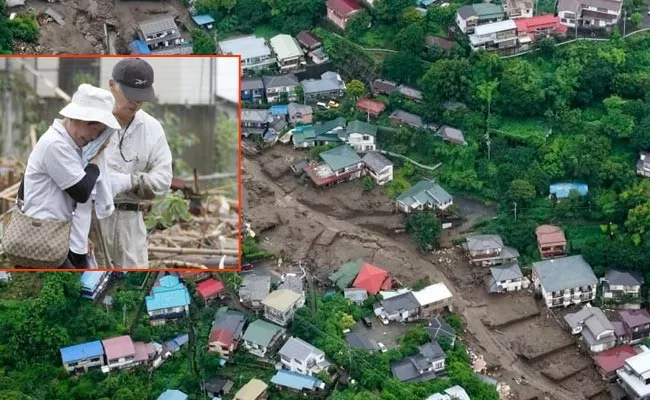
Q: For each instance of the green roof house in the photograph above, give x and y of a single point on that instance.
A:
(361, 136)
(263, 337)
(339, 164)
(424, 195)
(303, 136)
(344, 276)
(470, 16)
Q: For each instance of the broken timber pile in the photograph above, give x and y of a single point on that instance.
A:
(209, 239)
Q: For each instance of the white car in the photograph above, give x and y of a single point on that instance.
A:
(382, 348)
(323, 105)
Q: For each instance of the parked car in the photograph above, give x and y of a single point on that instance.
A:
(333, 104)
(323, 105)
(382, 348)
(245, 267)
(367, 322)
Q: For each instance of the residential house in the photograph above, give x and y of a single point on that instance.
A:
(452, 393)
(288, 54)
(372, 279)
(410, 93)
(488, 250)
(608, 361)
(304, 136)
(204, 21)
(81, 357)
(634, 377)
(345, 274)
(445, 43)
(255, 53)
(380, 86)
(470, 16)
(172, 394)
(330, 86)
(622, 287)
(169, 300)
(424, 195)
(597, 331)
(361, 136)
(194, 276)
(299, 356)
(590, 13)
(339, 164)
(255, 122)
(565, 281)
(297, 382)
(433, 300)
(497, 36)
(518, 9)
(211, 289)
(453, 135)
(403, 307)
(340, 11)
(278, 85)
(635, 325)
(161, 33)
(439, 329)
(561, 191)
(252, 90)
(357, 296)
(401, 117)
(378, 167)
(281, 305)
(312, 47)
(280, 112)
(255, 389)
(643, 165)
(93, 283)
(5, 276)
(428, 364)
(371, 107)
(174, 345)
(293, 282)
(253, 289)
(551, 241)
(216, 387)
(119, 352)
(226, 332)
(262, 338)
(506, 278)
(540, 26)
(361, 342)
(300, 114)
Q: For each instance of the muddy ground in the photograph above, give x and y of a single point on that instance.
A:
(325, 228)
(83, 29)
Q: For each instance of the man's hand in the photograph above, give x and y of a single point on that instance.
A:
(141, 188)
(95, 160)
(91, 246)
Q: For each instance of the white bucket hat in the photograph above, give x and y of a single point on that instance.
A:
(90, 103)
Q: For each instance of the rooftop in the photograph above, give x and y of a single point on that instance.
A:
(118, 347)
(254, 287)
(495, 27)
(248, 46)
(432, 294)
(611, 360)
(308, 39)
(564, 273)
(591, 317)
(209, 288)
(158, 25)
(376, 161)
(169, 293)
(484, 242)
(262, 333)
(634, 318)
(373, 279)
(407, 117)
(296, 348)
(296, 381)
(344, 276)
(329, 82)
(424, 192)
(372, 106)
(252, 390)
(548, 235)
(562, 190)
(285, 46)
(172, 394)
(340, 157)
(344, 7)
(281, 299)
(82, 351)
(623, 277)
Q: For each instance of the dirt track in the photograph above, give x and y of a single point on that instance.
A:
(298, 231)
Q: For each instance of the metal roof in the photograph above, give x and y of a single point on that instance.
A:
(494, 27)
(172, 394)
(82, 351)
(170, 293)
(158, 25)
(91, 279)
(298, 349)
(340, 157)
(248, 46)
(376, 161)
(425, 192)
(281, 299)
(262, 333)
(296, 381)
(329, 82)
(203, 19)
(285, 46)
(564, 273)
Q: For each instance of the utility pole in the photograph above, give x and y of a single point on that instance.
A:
(624, 20)
(124, 315)
(488, 142)
(515, 211)
(577, 18)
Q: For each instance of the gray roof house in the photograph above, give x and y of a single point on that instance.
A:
(402, 307)
(293, 282)
(489, 250)
(597, 331)
(438, 328)
(254, 289)
(300, 356)
(565, 281)
(262, 337)
(252, 89)
(453, 135)
(425, 194)
(378, 166)
(620, 286)
(358, 296)
(401, 117)
(255, 53)
(428, 364)
(410, 93)
(330, 85)
(278, 84)
(255, 121)
(505, 278)
(159, 33)
(361, 342)
(231, 320)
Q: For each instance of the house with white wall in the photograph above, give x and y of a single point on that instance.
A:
(598, 333)
(564, 281)
(378, 167)
(299, 356)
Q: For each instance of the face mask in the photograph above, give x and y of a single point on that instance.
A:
(90, 150)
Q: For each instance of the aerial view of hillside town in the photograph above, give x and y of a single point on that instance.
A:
(441, 200)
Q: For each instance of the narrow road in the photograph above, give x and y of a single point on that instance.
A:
(487, 338)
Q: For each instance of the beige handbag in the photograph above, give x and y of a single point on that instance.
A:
(35, 243)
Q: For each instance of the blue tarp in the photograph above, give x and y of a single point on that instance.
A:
(203, 19)
(172, 394)
(426, 3)
(82, 351)
(295, 380)
(562, 190)
(139, 47)
(280, 110)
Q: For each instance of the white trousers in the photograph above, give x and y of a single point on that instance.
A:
(125, 235)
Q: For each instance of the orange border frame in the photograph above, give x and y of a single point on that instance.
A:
(239, 164)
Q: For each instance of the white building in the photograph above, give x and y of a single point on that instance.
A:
(589, 13)
(643, 165)
(289, 55)
(506, 278)
(433, 299)
(378, 167)
(299, 356)
(518, 8)
(495, 36)
(565, 281)
(597, 331)
(255, 53)
(281, 305)
(634, 377)
(361, 136)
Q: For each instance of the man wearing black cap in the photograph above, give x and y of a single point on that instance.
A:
(139, 161)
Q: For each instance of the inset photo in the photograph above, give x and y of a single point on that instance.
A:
(119, 163)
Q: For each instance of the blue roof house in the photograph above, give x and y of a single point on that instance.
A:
(172, 394)
(138, 47)
(296, 381)
(203, 21)
(562, 190)
(169, 300)
(93, 283)
(80, 357)
(281, 110)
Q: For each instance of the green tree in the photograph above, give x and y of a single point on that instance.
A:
(355, 88)
(403, 67)
(203, 42)
(521, 192)
(447, 80)
(25, 28)
(616, 123)
(300, 93)
(521, 91)
(358, 25)
(425, 228)
(367, 183)
(636, 19)
(389, 11)
(411, 38)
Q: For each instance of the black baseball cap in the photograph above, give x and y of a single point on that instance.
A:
(135, 77)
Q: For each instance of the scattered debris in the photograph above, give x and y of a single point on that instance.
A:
(55, 16)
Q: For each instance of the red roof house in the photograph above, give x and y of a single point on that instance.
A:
(340, 11)
(610, 360)
(547, 24)
(373, 279)
(119, 351)
(210, 288)
(221, 341)
(372, 107)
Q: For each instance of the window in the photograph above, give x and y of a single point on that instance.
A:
(366, 137)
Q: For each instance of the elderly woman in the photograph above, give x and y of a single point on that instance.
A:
(57, 175)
